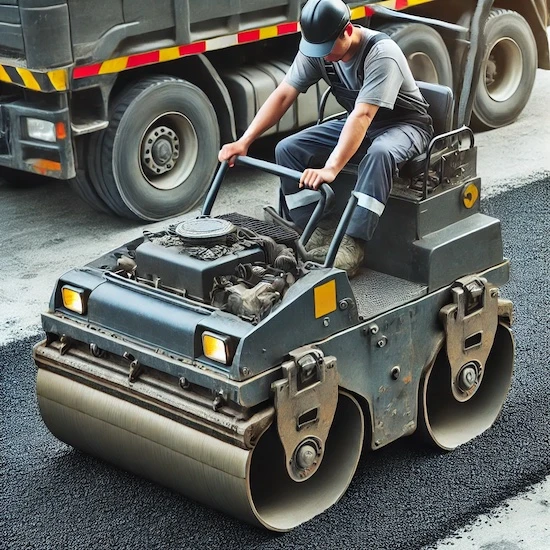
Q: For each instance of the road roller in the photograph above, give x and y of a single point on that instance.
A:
(215, 358)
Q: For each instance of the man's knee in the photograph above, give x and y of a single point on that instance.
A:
(377, 160)
(283, 149)
(378, 152)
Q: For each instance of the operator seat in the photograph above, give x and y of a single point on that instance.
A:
(441, 107)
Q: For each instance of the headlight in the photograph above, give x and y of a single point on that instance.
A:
(218, 347)
(44, 130)
(74, 299)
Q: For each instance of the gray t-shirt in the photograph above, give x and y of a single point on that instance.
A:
(387, 82)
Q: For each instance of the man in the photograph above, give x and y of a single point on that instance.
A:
(387, 124)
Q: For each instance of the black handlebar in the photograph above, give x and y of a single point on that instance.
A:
(263, 165)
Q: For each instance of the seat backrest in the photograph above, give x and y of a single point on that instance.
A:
(441, 106)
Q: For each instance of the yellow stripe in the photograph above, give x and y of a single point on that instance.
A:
(113, 65)
(358, 13)
(28, 79)
(168, 54)
(4, 76)
(59, 79)
(268, 32)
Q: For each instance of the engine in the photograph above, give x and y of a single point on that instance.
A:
(235, 267)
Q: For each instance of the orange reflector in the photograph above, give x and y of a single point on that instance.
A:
(60, 130)
(74, 299)
(44, 166)
(325, 299)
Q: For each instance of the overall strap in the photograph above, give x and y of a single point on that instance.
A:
(330, 69)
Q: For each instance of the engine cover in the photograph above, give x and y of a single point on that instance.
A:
(174, 267)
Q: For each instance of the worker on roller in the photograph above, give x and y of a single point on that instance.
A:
(387, 124)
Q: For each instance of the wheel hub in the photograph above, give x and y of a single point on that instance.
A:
(503, 70)
(160, 151)
(468, 378)
(306, 458)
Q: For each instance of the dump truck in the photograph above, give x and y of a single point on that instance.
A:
(129, 101)
(215, 357)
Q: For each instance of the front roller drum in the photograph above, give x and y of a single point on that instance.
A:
(252, 485)
(449, 422)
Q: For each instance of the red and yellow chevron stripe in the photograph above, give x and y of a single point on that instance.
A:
(58, 80)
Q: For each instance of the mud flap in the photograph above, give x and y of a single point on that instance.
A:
(305, 403)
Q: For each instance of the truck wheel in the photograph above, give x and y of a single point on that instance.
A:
(508, 70)
(84, 183)
(425, 51)
(160, 150)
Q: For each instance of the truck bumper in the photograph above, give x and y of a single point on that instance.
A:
(20, 151)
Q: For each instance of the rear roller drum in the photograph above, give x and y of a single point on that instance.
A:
(448, 422)
(252, 485)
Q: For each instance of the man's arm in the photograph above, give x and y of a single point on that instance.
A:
(353, 134)
(275, 106)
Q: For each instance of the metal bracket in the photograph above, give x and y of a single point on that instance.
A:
(305, 403)
(136, 368)
(470, 326)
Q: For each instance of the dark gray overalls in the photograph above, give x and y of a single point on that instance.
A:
(394, 137)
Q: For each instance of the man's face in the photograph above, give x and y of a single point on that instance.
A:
(341, 47)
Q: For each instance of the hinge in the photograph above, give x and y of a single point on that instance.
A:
(305, 403)
(470, 325)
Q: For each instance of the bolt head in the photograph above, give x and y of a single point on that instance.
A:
(468, 377)
(382, 342)
(306, 456)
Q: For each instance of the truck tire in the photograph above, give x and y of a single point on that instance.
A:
(84, 183)
(508, 70)
(425, 51)
(159, 152)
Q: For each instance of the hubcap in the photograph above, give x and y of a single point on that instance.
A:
(169, 151)
(503, 70)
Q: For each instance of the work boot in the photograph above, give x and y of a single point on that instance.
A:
(323, 233)
(349, 257)
(320, 237)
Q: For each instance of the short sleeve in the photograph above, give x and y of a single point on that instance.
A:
(303, 73)
(382, 82)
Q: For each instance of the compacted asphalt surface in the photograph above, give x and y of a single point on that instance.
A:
(403, 496)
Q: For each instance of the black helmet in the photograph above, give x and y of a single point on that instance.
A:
(322, 22)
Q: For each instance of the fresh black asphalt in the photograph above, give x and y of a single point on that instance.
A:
(403, 496)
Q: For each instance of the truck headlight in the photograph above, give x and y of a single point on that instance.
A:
(44, 130)
(74, 299)
(218, 347)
